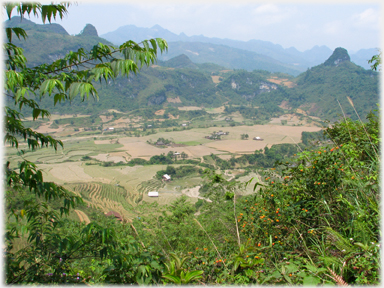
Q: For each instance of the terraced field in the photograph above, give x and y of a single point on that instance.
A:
(82, 216)
(105, 197)
(123, 188)
(150, 185)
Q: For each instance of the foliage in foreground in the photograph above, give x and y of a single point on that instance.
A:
(316, 222)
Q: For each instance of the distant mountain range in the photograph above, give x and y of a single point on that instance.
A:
(183, 44)
(184, 81)
(231, 54)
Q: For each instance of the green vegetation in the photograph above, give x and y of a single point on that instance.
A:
(316, 91)
(318, 212)
(180, 172)
(313, 218)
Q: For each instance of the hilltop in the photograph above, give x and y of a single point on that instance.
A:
(49, 42)
(298, 61)
(184, 81)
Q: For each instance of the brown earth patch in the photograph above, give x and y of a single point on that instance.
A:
(276, 81)
(189, 108)
(57, 116)
(225, 156)
(216, 110)
(298, 110)
(70, 172)
(170, 116)
(289, 84)
(285, 105)
(225, 71)
(174, 100)
(44, 128)
(111, 157)
(121, 121)
(291, 119)
(272, 134)
(105, 118)
(160, 112)
(141, 149)
(114, 110)
(312, 107)
(215, 79)
(284, 82)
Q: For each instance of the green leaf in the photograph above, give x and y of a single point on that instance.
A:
(193, 275)
(172, 278)
(311, 281)
(290, 268)
(82, 88)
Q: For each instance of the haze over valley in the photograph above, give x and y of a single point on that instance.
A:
(210, 159)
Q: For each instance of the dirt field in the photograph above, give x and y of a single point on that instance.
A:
(160, 112)
(189, 108)
(133, 179)
(272, 134)
(225, 156)
(174, 100)
(292, 119)
(284, 82)
(114, 110)
(66, 172)
(216, 110)
(114, 157)
(215, 79)
(44, 128)
(232, 143)
(141, 149)
(284, 105)
(58, 116)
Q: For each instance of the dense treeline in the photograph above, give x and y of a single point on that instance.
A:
(313, 221)
(317, 91)
(179, 172)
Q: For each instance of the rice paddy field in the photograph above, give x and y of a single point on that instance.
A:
(122, 188)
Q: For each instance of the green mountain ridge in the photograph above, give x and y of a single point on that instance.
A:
(315, 91)
(49, 42)
(302, 60)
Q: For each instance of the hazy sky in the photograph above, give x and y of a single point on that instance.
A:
(349, 24)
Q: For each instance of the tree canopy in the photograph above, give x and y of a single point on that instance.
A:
(313, 221)
(63, 80)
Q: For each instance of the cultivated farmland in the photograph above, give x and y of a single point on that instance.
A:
(79, 166)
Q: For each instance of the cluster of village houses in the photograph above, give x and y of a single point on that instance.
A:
(217, 136)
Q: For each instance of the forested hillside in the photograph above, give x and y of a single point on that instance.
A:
(289, 214)
(317, 92)
(47, 43)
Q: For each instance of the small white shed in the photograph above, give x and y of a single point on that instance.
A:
(166, 177)
(153, 194)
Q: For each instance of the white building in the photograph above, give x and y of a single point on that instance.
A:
(166, 177)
